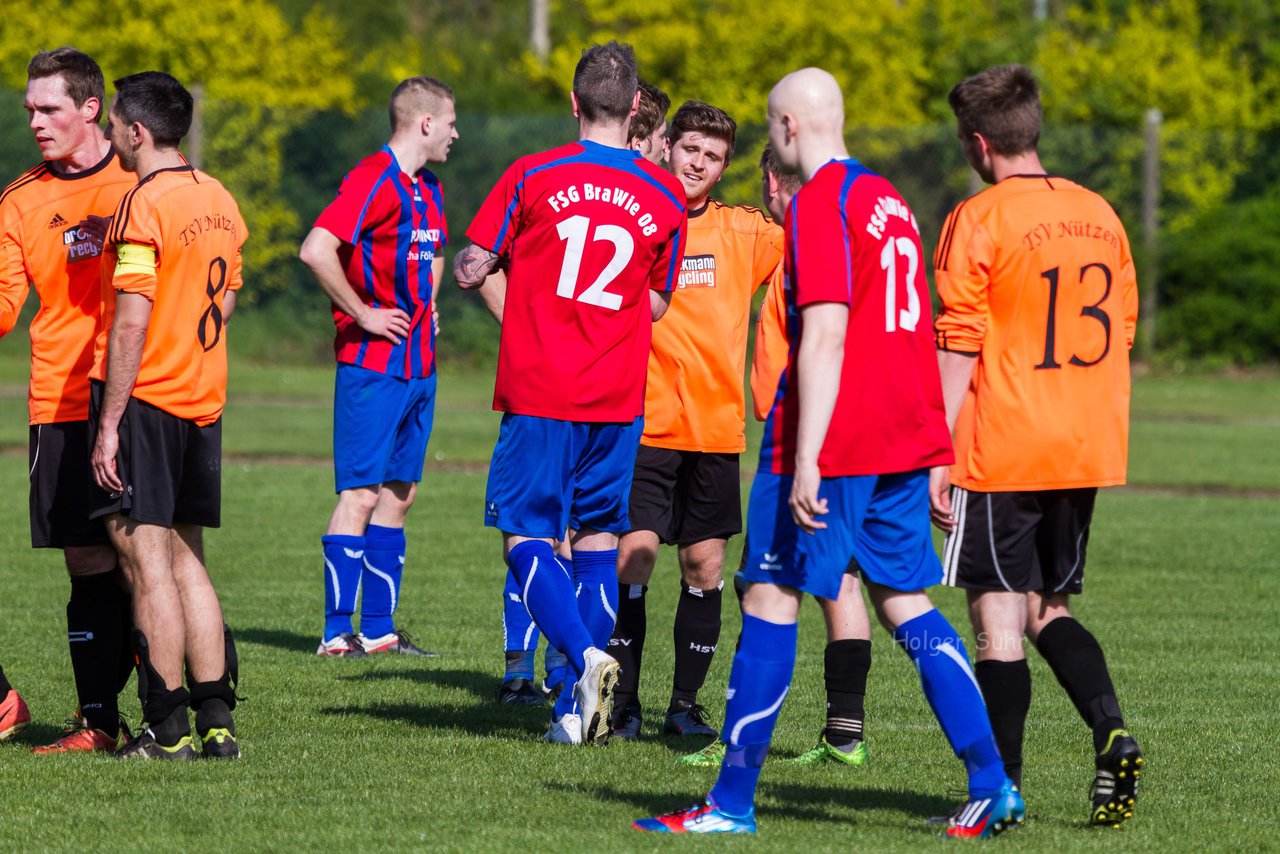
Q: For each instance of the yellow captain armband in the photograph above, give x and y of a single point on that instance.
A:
(134, 259)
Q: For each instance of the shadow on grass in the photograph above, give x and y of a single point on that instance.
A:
(280, 638)
(489, 721)
(480, 684)
(826, 804)
(37, 734)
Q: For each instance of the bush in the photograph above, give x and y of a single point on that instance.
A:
(1220, 285)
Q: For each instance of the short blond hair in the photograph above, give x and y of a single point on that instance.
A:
(415, 96)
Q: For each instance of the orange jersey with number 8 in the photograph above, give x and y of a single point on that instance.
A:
(194, 228)
(1036, 278)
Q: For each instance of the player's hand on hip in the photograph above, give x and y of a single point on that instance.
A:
(805, 504)
(389, 323)
(103, 461)
(940, 498)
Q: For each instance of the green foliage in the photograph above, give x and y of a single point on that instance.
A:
(260, 77)
(1219, 287)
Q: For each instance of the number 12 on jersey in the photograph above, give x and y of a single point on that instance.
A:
(574, 232)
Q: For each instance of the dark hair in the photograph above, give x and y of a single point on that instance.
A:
(654, 104)
(158, 102)
(1001, 103)
(80, 74)
(769, 163)
(697, 117)
(416, 95)
(605, 82)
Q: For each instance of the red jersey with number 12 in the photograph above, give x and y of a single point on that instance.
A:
(587, 231)
(851, 239)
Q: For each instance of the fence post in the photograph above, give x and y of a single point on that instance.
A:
(195, 137)
(1150, 277)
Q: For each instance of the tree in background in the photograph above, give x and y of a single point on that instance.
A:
(259, 76)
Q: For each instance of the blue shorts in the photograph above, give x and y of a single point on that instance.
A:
(381, 424)
(548, 475)
(881, 521)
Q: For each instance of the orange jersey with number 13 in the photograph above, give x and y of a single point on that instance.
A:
(195, 230)
(1036, 278)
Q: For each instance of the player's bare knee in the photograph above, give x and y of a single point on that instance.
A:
(84, 561)
(635, 562)
(1042, 610)
(704, 575)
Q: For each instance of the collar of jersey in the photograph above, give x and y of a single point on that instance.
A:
(608, 150)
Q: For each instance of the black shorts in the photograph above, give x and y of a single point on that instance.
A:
(61, 486)
(171, 467)
(1020, 541)
(686, 497)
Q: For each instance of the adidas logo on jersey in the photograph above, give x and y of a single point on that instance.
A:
(56, 222)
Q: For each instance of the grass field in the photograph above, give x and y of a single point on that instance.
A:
(403, 754)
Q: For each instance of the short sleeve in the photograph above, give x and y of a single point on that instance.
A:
(496, 224)
(962, 275)
(666, 269)
(822, 253)
(768, 252)
(355, 208)
(136, 235)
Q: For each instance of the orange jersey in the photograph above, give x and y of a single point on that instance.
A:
(694, 400)
(42, 245)
(772, 347)
(1036, 278)
(194, 227)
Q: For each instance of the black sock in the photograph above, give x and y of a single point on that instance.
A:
(176, 723)
(696, 634)
(1077, 660)
(213, 713)
(126, 663)
(93, 635)
(5, 687)
(846, 664)
(1006, 688)
(627, 643)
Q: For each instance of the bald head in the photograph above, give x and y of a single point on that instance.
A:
(806, 118)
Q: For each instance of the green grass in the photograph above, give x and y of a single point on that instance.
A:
(402, 754)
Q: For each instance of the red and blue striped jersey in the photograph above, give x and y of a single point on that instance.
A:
(587, 230)
(392, 227)
(851, 239)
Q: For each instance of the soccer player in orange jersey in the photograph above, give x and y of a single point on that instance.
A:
(1039, 306)
(171, 270)
(686, 490)
(52, 220)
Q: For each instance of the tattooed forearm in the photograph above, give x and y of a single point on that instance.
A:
(473, 265)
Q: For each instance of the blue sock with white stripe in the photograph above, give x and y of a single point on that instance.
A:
(952, 691)
(383, 566)
(343, 561)
(595, 576)
(758, 683)
(548, 593)
(519, 633)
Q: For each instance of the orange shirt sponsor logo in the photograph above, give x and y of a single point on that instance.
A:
(1036, 278)
(694, 399)
(43, 246)
(194, 226)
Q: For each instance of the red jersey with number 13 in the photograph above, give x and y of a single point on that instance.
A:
(851, 239)
(587, 231)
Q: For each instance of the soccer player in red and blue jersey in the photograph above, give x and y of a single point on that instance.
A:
(377, 252)
(591, 235)
(855, 428)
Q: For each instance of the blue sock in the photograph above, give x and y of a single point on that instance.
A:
(596, 574)
(548, 593)
(556, 665)
(343, 560)
(952, 691)
(383, 567)
(758, 684)
(519, 632)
